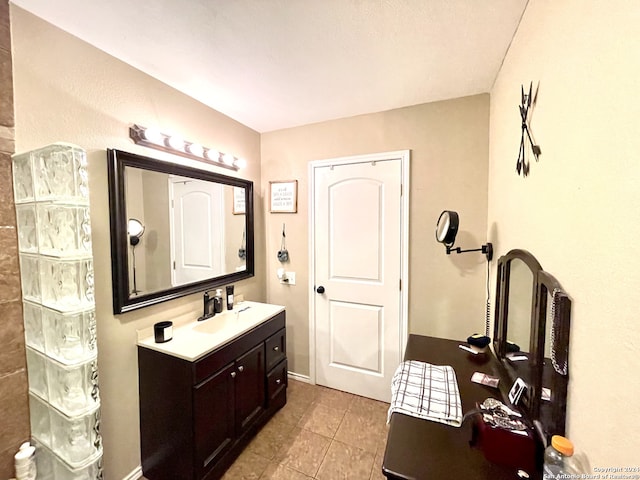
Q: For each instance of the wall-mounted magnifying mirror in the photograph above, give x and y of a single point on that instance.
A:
(135, 229)
(447, 229)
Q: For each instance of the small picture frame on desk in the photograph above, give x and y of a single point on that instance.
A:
(517, 390)
(283, 196)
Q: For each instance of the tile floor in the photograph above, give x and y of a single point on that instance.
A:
(321, 434)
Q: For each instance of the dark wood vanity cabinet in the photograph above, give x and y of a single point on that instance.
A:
(193, 427)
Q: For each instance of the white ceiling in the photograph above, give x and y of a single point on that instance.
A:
(273, 64)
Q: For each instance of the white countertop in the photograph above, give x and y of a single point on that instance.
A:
(195, 339)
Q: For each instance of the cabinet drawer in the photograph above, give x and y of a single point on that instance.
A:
(276, 348)
(276, 381)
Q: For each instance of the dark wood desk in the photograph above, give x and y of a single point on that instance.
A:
(422, 450)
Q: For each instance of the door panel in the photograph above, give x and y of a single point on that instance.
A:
(357, 242)
(361, 325)
(363, 228)
(197, 230)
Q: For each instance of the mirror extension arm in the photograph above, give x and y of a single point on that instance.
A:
(486, 249)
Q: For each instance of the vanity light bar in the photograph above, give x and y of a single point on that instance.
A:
(153, 138)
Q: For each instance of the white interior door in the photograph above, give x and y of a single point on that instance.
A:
(358, 262)
(197, 230)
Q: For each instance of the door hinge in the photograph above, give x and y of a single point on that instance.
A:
(401, 189)
(174, 264)
(400, 284)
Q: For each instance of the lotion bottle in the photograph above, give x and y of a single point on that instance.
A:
(230, 297)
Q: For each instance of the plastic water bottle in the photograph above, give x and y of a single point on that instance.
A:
(559, 459)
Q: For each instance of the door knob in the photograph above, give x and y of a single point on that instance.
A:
(240, 368)
(320, 289)
(233, 374)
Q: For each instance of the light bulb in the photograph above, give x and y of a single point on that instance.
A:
(152, 135)
(212, 155)
(195, 149)
(176, 142)
(241, 163)
(228, 159)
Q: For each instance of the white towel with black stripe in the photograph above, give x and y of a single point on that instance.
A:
(426, 391)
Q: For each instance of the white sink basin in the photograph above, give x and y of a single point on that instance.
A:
(221, 322)
(196, 339)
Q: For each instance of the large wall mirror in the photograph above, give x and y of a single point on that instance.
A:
(175, 230)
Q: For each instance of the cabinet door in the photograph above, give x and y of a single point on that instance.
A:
(213, 418)
(250, 388)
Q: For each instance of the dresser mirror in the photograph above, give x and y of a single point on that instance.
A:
(520, 297)
(554, 319)
(194, 230)
(515, 302)
(533, 312)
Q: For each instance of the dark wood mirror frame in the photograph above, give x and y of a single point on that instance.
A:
(502, 297)
(550, 417)
(122, 301)
(552, 414)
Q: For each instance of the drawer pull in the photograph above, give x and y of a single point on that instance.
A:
(233, 374)
(278, 381)
(240, 368)
(276, 348)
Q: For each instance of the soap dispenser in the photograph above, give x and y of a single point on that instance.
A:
(217, 301)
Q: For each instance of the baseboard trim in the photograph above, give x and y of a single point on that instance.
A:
(135, 474)
(298, 377)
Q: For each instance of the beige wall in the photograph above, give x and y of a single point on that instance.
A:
(14, 411)
(577, 212)
(449, 152)
(66, 90)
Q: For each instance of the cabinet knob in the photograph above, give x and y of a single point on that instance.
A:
(233, 374)
(278, 381)
(240, 368)
(276, 348)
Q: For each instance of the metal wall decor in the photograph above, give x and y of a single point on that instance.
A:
(526, 101)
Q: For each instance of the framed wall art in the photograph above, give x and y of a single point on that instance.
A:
(239, 201)
(284, 196)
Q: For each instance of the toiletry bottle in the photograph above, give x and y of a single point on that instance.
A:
(217, 301)
(230, 297)
(25, 462)
(561, 462)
